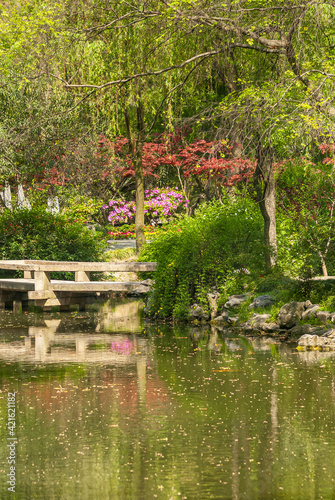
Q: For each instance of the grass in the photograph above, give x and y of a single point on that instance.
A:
(125, 254)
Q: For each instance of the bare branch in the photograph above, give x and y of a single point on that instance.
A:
(143, 74)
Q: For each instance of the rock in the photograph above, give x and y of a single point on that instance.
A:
(258, 319)
(261, 301)
(247, 327)
(196, 309)
(270, 327)
(258, 322)
(235, 301)
(289, 314)
(141, 289)
(232, 319)
(149, 282)
(310, 311)
(197, 312)
(221, 320)
(305, 329)
(213, 298)
(322, 316)
(327, 340)
(308, 340)
(329, 333)
(332, 317)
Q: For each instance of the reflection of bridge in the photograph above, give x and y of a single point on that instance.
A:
(38, 288)
(43, 344)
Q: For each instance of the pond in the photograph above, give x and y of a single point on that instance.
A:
(107, 406)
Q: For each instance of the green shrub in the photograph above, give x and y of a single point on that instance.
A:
(82, 209)
(319, 292)
(209, 250)
(282, 288)
(37, 234)
(305, 218)
(75, 207)
(119, 254)
(328, 304)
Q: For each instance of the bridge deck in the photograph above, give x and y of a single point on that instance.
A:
(28, 285)
(37, 285)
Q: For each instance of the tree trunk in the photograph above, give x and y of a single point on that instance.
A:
(136, 148)
(323, 265)
(264, 183)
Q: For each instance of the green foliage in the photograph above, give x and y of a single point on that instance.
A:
(328, 304)
(318, 292)
(276, 283)
(119, 254)
(204, 252)
(235, 282)
(37, 234)
(305, 218)
(82, 209)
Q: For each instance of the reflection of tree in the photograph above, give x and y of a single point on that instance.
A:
(274, 407)
(82, 422)
(121, 317)
(235, 463)
(196, 416)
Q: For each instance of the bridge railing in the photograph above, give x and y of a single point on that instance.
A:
(39, 286)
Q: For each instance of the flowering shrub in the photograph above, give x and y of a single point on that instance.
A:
(160, 206)
(121, 212)
(198, 254)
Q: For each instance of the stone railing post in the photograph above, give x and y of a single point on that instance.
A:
(82, 276)
(42, 280)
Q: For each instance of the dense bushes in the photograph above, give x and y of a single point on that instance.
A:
(306, 219)
(37, 234)
(212, 249)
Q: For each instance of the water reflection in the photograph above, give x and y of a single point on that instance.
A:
(120, 317)
(161, 412)
(44, 344)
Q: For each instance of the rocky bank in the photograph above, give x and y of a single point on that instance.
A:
(292, 320)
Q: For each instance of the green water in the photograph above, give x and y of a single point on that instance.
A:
(107, 407)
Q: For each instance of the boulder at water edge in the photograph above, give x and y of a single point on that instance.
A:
(290, 314)
(327, 340)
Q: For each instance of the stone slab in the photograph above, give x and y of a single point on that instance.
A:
(94, 286)
(19, 284)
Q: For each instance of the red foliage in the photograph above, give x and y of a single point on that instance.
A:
(205, 159)
(328, 149)
(108, 159)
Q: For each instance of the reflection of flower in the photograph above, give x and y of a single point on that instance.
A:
(122, 347)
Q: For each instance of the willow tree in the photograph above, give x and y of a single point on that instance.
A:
(273, 65)
(109, 68)
(31, 106)
(275, 62)
(270, 68)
